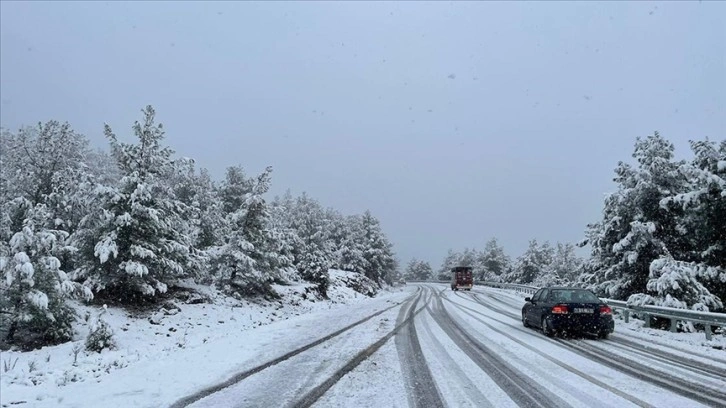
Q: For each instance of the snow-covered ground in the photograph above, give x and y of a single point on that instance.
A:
(456, 348)
(208, 342)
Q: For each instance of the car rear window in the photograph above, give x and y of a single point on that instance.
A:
(573, 295)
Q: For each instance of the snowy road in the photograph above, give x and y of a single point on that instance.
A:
(443, 348)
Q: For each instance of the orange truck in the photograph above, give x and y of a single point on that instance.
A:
(462, 278)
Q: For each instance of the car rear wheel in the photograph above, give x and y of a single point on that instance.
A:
(546, 329)
(603, 335)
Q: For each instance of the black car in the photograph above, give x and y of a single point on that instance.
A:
(568, 310)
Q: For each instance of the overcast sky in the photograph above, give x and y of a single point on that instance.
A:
(452, 122)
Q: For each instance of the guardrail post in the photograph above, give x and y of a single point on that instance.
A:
(674, 325)
(708, 331)
(626, 315)
(646, 317)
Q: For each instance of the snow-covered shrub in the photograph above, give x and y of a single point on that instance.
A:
(9, 364)
(314, 268)
(358, 282)
(100, 335)
(76, 350)
(673, 284)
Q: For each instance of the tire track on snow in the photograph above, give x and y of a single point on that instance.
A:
(517, 385)
(190, 399)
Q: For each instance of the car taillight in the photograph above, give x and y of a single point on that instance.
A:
(606, 310)
(560, 309)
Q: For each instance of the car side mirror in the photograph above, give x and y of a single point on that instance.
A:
(528, 299)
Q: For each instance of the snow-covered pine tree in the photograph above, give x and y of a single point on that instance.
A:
(451, 260)
(233, 266)
(468, 258)
(34, 288)
(547, 275)
(393, 268)
(203, 215)
(410, 272)
(424, 271)
(377, 250)
(133, 245)
(45, 165)
(211, 226)
(234, 189)
(530, 264)
(494, 263)
(352, 248)
(418, 270)
(285, 237)
(318, 239)
(337, 233)
(35, 157)
(700, 211)
(103, 167)
(100, 335)
(312, 257)
(12, 218)
(566, 265)
(635, 229)
(256, 228)
(247, 262)
(209, 218)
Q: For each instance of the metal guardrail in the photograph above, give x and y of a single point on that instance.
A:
(708, 319)
(428, 281)
(514, 286)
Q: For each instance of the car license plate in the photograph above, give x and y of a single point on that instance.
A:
(583, 310)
